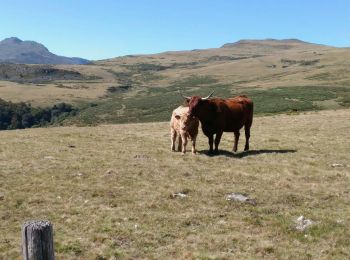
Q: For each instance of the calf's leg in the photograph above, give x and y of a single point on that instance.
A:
(184, 142)
(194, 151)
(173, 139)
(179, 147)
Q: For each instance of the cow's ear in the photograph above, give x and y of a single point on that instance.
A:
(177, 117)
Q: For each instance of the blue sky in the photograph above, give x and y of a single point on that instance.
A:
(105, 28)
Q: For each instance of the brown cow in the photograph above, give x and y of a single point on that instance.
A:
(183, 127)
(222, 115)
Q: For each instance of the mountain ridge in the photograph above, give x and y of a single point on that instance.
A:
(14, 50)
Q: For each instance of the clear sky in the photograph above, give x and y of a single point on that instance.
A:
(98, 29)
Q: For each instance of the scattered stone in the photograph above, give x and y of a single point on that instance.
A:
(337, 165)
(340, 221)
(222, 222)
(77, 174)
(303, 223)
(141, 156)
(71, 146)
(49, 158)
(2, 196)
(240, 198)
(178, 195)
(110, 172)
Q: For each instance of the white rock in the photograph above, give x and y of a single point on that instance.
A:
(336, 165)
(240, 198)
(237, 197)
(303, 223)
(179, 194)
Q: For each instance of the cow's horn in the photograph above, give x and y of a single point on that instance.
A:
(184, 96)
(205, 98)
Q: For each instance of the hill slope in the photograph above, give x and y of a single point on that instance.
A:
(280, 76)
(107, 190)
(14, 50)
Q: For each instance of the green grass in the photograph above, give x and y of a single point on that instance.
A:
(288, 99)
(156, 103)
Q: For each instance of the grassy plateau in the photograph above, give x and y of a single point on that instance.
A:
(107, 190)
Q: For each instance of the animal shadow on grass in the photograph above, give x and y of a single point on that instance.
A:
(248, 153)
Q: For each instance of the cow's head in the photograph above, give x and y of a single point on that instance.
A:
(195, 103)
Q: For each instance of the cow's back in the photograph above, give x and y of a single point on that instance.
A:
(233, 113)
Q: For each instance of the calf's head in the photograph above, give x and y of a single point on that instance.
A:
(184, 121)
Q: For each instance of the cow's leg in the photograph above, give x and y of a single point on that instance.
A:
(247, 136)
(217, 141)
(184, 143)
(248, 125)
(236, 141)
(173, 139)
(211, 140)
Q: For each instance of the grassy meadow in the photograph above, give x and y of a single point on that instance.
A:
(107, 190)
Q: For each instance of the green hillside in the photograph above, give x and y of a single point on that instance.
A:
(279, 75)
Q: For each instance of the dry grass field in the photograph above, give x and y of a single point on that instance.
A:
(107, 191)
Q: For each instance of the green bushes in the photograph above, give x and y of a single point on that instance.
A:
(156, 103)
(22, 115)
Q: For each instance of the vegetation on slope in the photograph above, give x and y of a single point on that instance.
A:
(23, 73)
(22, 115)
(156, 104)
(280, 76)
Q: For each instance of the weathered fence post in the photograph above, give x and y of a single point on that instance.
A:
(37, 240)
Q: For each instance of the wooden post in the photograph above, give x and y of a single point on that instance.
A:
(37, 240)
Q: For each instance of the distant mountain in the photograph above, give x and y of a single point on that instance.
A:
(14, 50)
(287, 43)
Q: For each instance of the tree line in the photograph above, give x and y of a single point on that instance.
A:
(22, 115)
